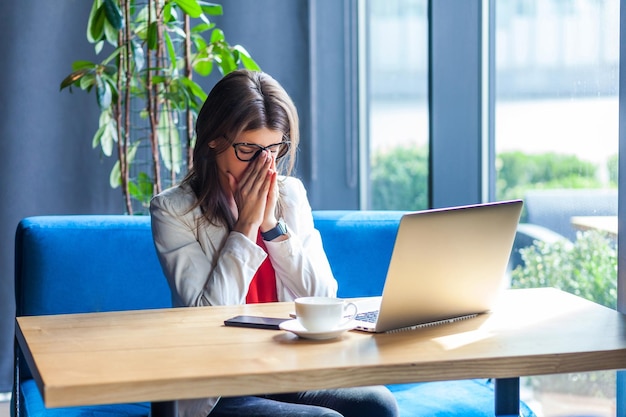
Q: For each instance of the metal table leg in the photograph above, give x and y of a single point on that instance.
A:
(164, 409)
(507, 397)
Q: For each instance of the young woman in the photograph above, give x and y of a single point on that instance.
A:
(239, 229)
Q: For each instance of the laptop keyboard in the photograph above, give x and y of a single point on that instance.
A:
(368, 316)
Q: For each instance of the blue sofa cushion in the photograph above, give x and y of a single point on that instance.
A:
(473, 397)
(32, 405)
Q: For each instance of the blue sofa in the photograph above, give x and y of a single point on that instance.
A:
(72, 264)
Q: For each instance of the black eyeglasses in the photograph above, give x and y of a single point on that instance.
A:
(247, 152)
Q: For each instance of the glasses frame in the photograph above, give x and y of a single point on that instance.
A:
(283, 151)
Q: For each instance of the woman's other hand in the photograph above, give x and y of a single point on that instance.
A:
(269, 217)
(253, 195)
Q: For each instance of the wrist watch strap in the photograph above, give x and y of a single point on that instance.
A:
(279, 230)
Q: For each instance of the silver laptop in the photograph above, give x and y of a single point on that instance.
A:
(447, 264)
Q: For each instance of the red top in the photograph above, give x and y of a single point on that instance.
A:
(263, 286)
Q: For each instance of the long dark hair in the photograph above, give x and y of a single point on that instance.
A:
(243, 100)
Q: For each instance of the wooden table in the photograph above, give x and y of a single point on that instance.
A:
(163, 355)
(606, 224)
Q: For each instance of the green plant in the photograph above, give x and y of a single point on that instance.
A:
(587, 267)
(612, 168)
(518, 172)
(399, 176)
(145, 88)
(399, 179)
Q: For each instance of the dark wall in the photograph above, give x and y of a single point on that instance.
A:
(308, 46)
(47, 164)
(276, 34)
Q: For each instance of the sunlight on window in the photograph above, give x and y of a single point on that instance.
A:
(557, 143)
(397, 97)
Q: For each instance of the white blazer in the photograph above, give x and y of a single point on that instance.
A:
(208, 265)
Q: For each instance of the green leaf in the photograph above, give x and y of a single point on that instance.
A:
(141, 30)
(97, 137)
(95, 6)
(225, 59)
(141, 190)
(157, 79)
(73, 77)
(113, 14)
(76, 65)
(179, 31)
(202, 27)
(167, 13)
(152, 36)
(206, 20)
(115, 178)
(133, 190)
(199, 42)
(169, 142)
(194, 88)
(110, 33)
(132, 151)
(170, 49)
(246, 59)
(212, 9)
(191, 7)
(98, 47)
(107, 133)
(103, 93)
(217, 36)
(146, 186)
(107, 141)
(138, 55)
(87, 81)
(112, 83)
(95, 25)
(203, 66)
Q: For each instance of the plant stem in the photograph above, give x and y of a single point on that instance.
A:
(152, 102)
(189, 75)
(123, 137)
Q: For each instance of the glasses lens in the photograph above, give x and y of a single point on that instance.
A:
(283, 148)
(246, 152)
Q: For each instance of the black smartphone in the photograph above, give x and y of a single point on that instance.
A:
(255, 322)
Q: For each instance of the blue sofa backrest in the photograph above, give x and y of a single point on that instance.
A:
(358, 245)
(75, 264)
(85, 263)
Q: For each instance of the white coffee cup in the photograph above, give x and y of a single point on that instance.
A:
(319, 314)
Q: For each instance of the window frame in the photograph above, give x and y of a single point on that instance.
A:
(621, 201)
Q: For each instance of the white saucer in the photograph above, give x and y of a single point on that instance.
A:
(294, 326)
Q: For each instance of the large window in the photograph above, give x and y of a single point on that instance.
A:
(556, 137)
(548, 133)
(397, 103)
